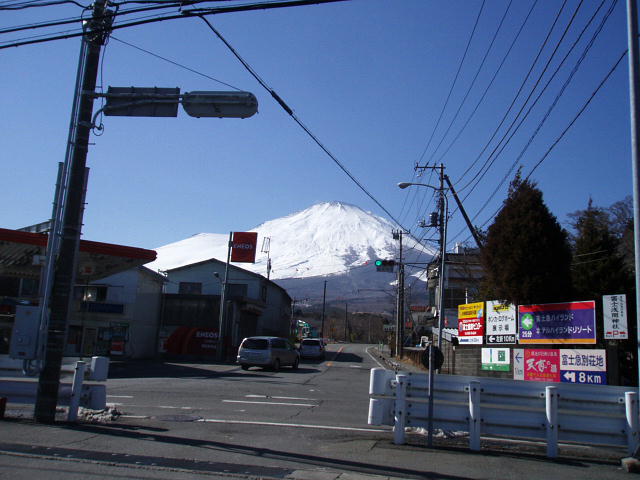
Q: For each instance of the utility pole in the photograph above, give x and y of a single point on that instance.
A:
(634, 99)
(324, 300)
(95, 36)
(397, 235)
(346, 320)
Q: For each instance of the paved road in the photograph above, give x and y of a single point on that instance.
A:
(185, 421)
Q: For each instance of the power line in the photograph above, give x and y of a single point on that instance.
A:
(580, 112)
(174, 63)
(288, 109)
(473, 81)
(455, 80)
(555, 101)
(182, 14)
(564, 132)
(522, 85)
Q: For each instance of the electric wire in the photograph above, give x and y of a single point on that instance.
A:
(515, 98)
(473, 81)
(564, 132)
(510, 132)
(173, 62)
(182, 14)
(455, 80)
(488, 87)
(288, 109)
(556, 99)
(553, 104)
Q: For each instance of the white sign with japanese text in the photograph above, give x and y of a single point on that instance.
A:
(615, 317)
(500, 322)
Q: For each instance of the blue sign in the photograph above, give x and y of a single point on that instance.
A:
(584, 376)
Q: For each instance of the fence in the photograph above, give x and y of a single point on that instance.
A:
(74, 394)
(552, 412)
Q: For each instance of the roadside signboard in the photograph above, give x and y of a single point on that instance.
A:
(571, 322)
(542, 364)
(615, 317)
(500, 323)
(471, 323)
(243, 247)
(560, 365)
(583, 366)
(518, 364)
(496, 359)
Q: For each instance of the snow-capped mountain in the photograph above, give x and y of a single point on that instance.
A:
(332, 240)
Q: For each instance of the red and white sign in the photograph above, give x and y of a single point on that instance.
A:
(471, 323)
(539, 364)
(243, 247)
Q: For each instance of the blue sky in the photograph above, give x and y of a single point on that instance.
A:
(369, 78)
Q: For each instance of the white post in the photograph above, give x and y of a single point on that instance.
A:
(400, 409)
(551, 396)
(76, 391)
(631, 404)
(474, 415)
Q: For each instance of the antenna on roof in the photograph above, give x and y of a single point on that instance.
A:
(266, 247)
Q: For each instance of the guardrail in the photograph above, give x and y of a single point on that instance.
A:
(552, 412)
(74, 395)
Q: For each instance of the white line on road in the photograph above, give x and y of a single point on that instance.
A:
(296, 425)
(282, 398)
(374, 358)
(119, 396)
(272, 403)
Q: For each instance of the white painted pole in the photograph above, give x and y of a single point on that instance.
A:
(631, 404)
(551, 397)
(474, 415)
(400, 409)
(76, 391)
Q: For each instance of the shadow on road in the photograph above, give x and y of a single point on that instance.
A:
(347, 358)
(156, 369)
(259, 452)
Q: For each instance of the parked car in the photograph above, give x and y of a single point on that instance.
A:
(267, 352)
(311, 348)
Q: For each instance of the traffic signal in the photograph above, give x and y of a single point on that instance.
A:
(385, 265)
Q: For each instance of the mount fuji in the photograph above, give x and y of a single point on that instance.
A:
(332, 241)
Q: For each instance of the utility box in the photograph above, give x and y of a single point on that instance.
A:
(24, 337)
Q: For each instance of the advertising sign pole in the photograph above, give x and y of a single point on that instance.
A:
(223, 299)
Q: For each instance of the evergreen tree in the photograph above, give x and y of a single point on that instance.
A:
(527, 256)
(598, 267)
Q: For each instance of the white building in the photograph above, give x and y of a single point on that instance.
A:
(189, 324)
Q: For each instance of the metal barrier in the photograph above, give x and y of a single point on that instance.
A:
(552, 412)
(74, 395)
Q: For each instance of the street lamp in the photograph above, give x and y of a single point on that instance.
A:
(444, 213)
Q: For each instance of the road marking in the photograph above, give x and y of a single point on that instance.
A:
(374, 358)
(120, 396)
(282, 398)
(272, 403)
(296, 425)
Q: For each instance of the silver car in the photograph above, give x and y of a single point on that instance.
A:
(267, 352)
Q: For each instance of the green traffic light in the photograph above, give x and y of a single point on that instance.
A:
(378, 263)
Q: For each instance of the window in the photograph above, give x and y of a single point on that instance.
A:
(279, 343)
(256, 344)
(190, 288)
(91, 293)
(237, 290)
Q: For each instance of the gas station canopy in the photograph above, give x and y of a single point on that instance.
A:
(22, 254)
